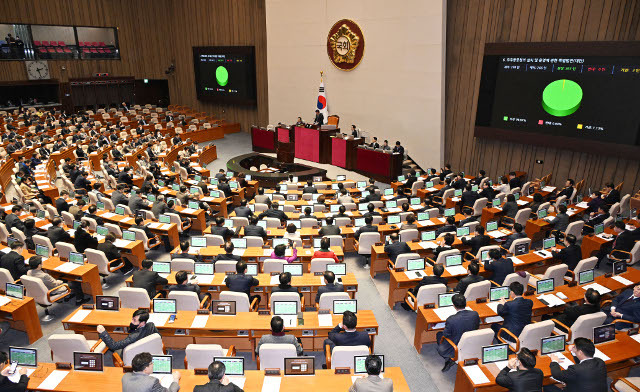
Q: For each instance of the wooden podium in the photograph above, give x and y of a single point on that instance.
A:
(285, 152)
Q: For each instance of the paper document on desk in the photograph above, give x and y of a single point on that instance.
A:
(325, 320)
(237, 380)
(200, 321)
(551, 300)
(207, 199)
(80, 316)
(444, 313)
(457, 270)
(432, 189)
(66, 267)
(544, 253)
(455, 199)
(15, 377)
(204, 279)
(516, 260)
(188, 211)
(108, 215)
(636, 337)
(476, 375)
(597, 287)
(604, 236)
(548, 188)
(154, 225)
(238, 252)
(164, 192)
(493, 306)
(394, 209)
(442, 220)
(271, 384)
(582, 204)
(165, 379)
(53, 379)
(601, 355)
(563, 361)
(428, 245)
(119, 243)
(426, 222)
(267, 252)
(496, 234)
(5, 300)
(622, 280)
(521, 202)
(159, 319)
(45, 227)
(275, 279)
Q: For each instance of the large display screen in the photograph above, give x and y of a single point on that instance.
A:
(542, 96)
(225, 74)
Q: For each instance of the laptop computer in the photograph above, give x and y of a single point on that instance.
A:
(463, 231)
(76, 258)
(428, 235)
(234, 366)
(449, 212)
(198, 242)
(288, 310)
(393, 219)
(14, 290)
(495, 353)
(342, 305)
(445, 299)
(295, 269)
(492, 225)
(42, 251)
(417, 267)
(23, 356)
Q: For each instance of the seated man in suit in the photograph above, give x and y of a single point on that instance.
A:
(571, 254)
(442, 190)
(113, 253)
(243, 211)
(371, 210)
(396, 247)
(372, 382)
(262, 198)
(278, 336)
(12, 219)
(309, 188)
(612, 195)
(566, 191)
(595, 218)
(372, 187)
(620, 247)
(450, 226)
(218, 381)
(274, 212)
(345, 333)
(285, 285)
(469, 197)
(456, 325)
(514, 181)
(518, 233)
(184, 253)
(498, 265)
(367, 228)
(473, 277)
(478, 241)
(436, 278)
(449, 239)
(147, 279)
(510, 208)
(373, 196)
(183, 285)
(560, 222)
(138, 329)
(13, 261)
(487, 191)
(521, 374)
(625, 306)
(329, 228)
(587, 374)
(56, 233)
(329, 285)
(61, 203)
(242, 283)
(478, 179)
(254, 230)
(141, 380)
(572, 312)
(446, 170)
(228, 253)
(516, 312)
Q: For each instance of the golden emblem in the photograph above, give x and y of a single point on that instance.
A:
(344, 44)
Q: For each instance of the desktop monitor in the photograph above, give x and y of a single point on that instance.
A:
(492, 225)
(193, 205)
(175, 187)
(88, 362)
(391, 204)
(120, 210)
(234, 366)
(107, 302)
(362, 206)
(161, 267)
(76, 224)
(151, 197)
(548, 242)
(495, 202)
(521, 249)
(484, 255)
(423, 216)
(445, 299)
(317, 178)
(598, 229)
(229, 174)
(474, 188)
(619, 267)
(585, 277)
(457, 193)
(203, 268)
(401, 178)
(14, 290)
(359, 364)
(161, 183)
(361, 184)
(453, 260)
(388, 192)
(197, 178)
(415, 264)
(604, 333)
(463, 231)
(252, 269)
(23, 356)
(161, 305)
(280, 241)
(162, 364)
(341, 177)
(215, 194)
(338, 269)
(198, 242)
(542, 214)
(342, 305)
(449, 212)
(359, 222)
(544, 286)
(194, 190)
(239, 243)
(428, 235)
(163, 218)
(228, 223)
(102, 230)
(128, 235)
(498, 293)
(76, 258)
(285, 308)
(234, 184)
(415, 201)
(552, 344)
(296, 223)
(299, 366)
(40, 214)
(42, 250)
(495, 353)
(227, 308)
(295, 269)
(428, 184)
(283, 188)
(316, 242)
(393, 219)
(292, 197)
(334, 207)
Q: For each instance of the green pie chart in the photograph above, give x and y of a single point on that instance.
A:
(562, 97)
(222, 76)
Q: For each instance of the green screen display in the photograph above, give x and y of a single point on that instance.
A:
(285, 307)
(342, 305)
(544, 286)
(164, 306)
(552, 344)
(161, 267)
(233, 366)
(359, 364)
(15, 290)
(498, 293)
(585, 277)
(445, 300)
(203, 269)
(495, 353)
(23, 356)
(415, 264)
(161, 364)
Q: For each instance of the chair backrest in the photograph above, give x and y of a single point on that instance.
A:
(625, 204)
(478, 205)
(5, 277)
(575, 228)
(477, 290)
(141, 236)
(260, 207)
(308, 222)
(326, 299)
(522, 216)
(175, 218)
(443, 255)
(614, 210)
(401, 260)
(608, 222)
(515, 277)
(320, 264)
(151, 344)
(36, 289)
(51, 210)
(199, 356)
(635, 254)
(225, 266)
(448, 194)
(98, 258)
(557, 273)
(241, 300)
(214, 240)
(342, 221)
(18, 234)
(67, 218)
(64, 248)
(517, 242)
(272, 355)
(272, 222)
(342, 356)
(64, 345)
(408, 235)
(185, 300)
(429, 294)
(184, 264)
(583, 326)
(585, 264)
(543, 206)
(273, 265)
(336, 240)
(366, 241)
(532, 333)
(42, 240)
(240, 221)
(560, 200)
(133, 298)
(92, 222)
(114, 229)
(471, 343)
(284, 296)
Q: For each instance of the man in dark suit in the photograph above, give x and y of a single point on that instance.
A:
(367, 228)
(437, 278)
(329, 228)
(468, 197)
(274, 212)
(487, 191)
(572, 312)
(396, 247)
(183, 285)
(329, 285)
(371, 210)
(447, 186)
(309, 188)
(571, 254)
(398, 149)
(510, 208)
(514, 182)
(520, 374)
(148, 279)
(458, 182)
(254, 230)
(184, 253)
(372, 196)
(566, 191)
(61, 203)
(125, 177)
(319, 119)
(456, 325)
(14, 261)
(625, 306)
(82, 239)
(445, 171)
(518, 233)
(113, 253)
(500, 266)
(218, 381)
(478, 241)
(473, 277)
(449, 239)
(613, 195)
(242, 283)
(450, 226)
(560, 222)
(595, 218)
(243, 211)
(589, 374)
(285, 285)
(478, 179)
(224, 187)
(516, 312)
(624, 242)
(219, 229)
(12, 219)
(228, 254)
(345, 333)
(56, 233)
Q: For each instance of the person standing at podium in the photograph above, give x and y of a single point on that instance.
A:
(319, 120)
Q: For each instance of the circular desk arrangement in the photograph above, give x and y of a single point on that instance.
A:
(281, 172)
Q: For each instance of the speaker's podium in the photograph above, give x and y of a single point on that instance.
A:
(285, 147)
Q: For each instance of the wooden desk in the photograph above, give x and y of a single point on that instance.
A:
(23, 316)
(428, 322)
(127, 221)
(242, 330)
(110, 380)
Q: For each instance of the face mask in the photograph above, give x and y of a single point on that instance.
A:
(132, 327)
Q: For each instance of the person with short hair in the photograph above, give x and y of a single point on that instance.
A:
(473, 277)
(228, 253)
(329, 285)
(625, 306)
(478, 241)
(35, 271)
(13, 261)
(218, 381)
(182, 284)
(396, 247)
(242, 211)
(345, 333)
(329, 228)
(450, 226)
(436, 278)
(573, 311)
(518, 233)
(455, 326)
(516, 312)
(449, 239)
(83, 240)
(499, 266)
(254, 230)
(140, 380)
(184, 253)
(7, 385)
(372, 382)
(139, 328)
(521, 374)
(285, 285)
(242, 283)
(291, 232)
(571, 254)
(325, 251)
(147, 279)
(586, 375)
(278, 336)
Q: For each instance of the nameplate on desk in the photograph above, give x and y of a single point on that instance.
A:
(470, 361)
(200, 372)
(351, 288)
(430, 306)
(399, 269)
(608, 274)
(63, 365)
(572, 283)
(243, 332)
(307, 332)
(271, 372)
(342, 370)
(258, 289)
(529, 292)
(274, 273)
(481, 300)
(323, 311)
(213, 288)
(632, 331)
(203, 311)
(318, 273)
(180, 332)
(229, 273)
(264, 313)
(89, 307)
(370, 331)
(379, 243)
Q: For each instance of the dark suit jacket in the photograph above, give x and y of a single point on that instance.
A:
(440, 248)
(185, 287)
(56, 234)
(241, 283)
(612, 198)
(243, 212)
(509, 239)
(216, 386)
(427, 280)
(459, 323)
(521, 380)
(477, 242)
(514, 183)
(256, 231)
(14, 263)
(146, 279)
(571, 256)
(310, 189)
(8, 386)
(285, 289)
(83, 240)
(118, 198)
(272, 213)
(110, 250)
(571, 313)
(12, 220)
(396, 248)
(225, 256)
(62, 205)
(445, 229)
(500, 268)
(560, 222)
(136, 204)
(186, 255)
(510, 209)
(461, 287)
(341, 338)
(624, 241)
(139, 333)
(630, 309)
(516, 314)
(468, 198)
(222, 231)
(587, 376)
(488, 192)
(329, 230)
(365, 229)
